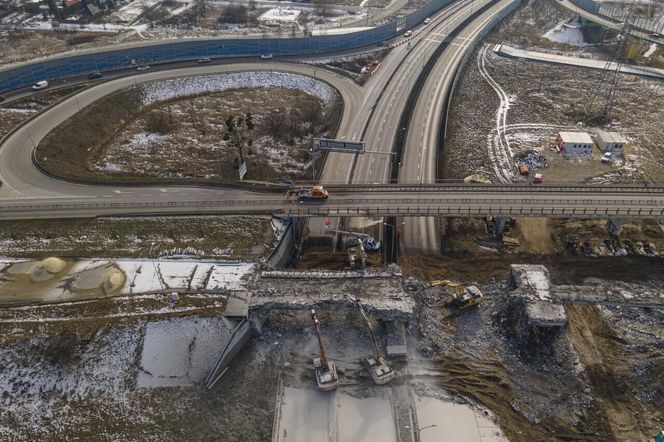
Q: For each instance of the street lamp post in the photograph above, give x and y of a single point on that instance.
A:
(156, 270)
(419, 430)
(394, 229)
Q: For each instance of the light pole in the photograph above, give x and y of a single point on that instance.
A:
(419, 430)
(156, 270)
(394, 229)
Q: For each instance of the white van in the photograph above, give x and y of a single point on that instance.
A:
(40, 85)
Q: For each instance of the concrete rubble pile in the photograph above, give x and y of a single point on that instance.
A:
(537, 321)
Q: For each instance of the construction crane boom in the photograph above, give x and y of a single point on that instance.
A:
(374, 344)
(324, 369)
(323, 355)
(379, 369)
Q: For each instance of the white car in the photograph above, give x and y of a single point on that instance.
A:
(427, 21)
(145, 67)
(266, 56)
(408, 33)
(606, 158)
(40, 85)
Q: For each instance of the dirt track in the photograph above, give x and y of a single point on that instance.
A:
(599, 349)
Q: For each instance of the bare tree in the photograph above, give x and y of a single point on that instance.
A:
(161, 121)
(321, 6)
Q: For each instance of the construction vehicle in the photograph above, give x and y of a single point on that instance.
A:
(357, 256)
(308, 193)
(462, 298)
(325, 370)
(380, 371)
(367, 240)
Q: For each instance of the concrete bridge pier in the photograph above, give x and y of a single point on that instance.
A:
(614, 226)
(500, 222)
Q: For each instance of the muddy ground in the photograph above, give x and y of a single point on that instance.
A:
(601, 380)
(194, 145)
(188, 138)
(552, 237)
(235, 237)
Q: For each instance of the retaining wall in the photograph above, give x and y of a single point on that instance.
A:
(280, 256)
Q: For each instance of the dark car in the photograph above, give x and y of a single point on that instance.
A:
(2, 98)
(94, 76)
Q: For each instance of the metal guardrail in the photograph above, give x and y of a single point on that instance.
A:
(386, 206)
(359, 203)
(643, 188)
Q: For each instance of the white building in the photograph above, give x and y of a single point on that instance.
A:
(611, 142)
(575, 144)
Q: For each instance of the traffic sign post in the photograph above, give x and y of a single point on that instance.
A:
(243, 169)
(338, 145)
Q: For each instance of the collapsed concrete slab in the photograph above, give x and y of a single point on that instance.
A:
(537, 320)
(396, 339)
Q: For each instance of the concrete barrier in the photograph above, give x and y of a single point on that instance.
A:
(281, 255)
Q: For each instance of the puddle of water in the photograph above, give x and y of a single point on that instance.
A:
(28, 281)
(55, 280)
(103, 280)
(457, 422)
(181, 351)
(308, 415)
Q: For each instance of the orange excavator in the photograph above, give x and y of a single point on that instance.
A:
(326, 371)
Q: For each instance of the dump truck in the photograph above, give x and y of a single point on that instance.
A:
(325, 370)
(308, 193)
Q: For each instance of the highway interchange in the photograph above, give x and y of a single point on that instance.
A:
(371, 113)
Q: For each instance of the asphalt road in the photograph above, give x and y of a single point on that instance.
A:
(21, 179)
(382, 104)
(420, 157)
(382, 129)
(405, 201)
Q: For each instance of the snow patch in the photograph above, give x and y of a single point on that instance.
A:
(183, 87)
(566, 34)
(181, 351)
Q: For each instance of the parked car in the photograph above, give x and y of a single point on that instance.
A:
(538, 178)
(427, 21)
(94, 75)
(408, 33)
(142, 68)
(606, 158)
(40, 85)
(266, 56)
(204, 60)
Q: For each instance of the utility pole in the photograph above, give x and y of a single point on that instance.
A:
(615, 62)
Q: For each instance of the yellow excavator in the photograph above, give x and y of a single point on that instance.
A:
(463, 298)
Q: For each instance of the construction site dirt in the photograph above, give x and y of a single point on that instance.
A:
(599, 379)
